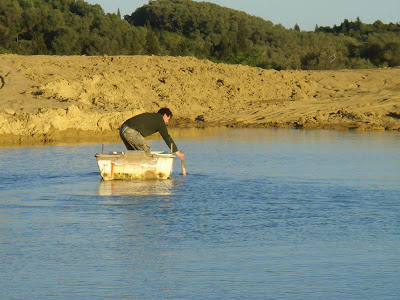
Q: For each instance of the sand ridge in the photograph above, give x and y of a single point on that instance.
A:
(47, 98)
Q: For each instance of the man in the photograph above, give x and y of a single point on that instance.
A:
(135, 129)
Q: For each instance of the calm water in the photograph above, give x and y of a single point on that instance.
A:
(262, 214)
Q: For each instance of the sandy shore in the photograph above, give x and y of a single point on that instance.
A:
(59, 98)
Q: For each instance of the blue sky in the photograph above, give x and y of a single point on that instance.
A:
(306, 13)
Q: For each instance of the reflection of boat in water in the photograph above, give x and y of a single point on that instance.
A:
(135, 165)
(135, 187)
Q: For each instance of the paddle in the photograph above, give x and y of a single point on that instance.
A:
(183, 167)
(182, 164)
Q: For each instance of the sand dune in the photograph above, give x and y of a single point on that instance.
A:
(54, 98)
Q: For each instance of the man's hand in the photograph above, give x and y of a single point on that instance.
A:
(180, 155)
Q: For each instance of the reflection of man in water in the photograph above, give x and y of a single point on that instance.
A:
(135, 129)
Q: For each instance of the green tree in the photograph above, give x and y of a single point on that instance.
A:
(186, 27)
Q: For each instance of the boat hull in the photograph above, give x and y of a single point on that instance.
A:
(135, 165)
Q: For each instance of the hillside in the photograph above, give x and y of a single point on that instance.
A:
(51, 98)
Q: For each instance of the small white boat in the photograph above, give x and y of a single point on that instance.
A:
(135, 165)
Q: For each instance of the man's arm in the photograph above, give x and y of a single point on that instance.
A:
(167, 138)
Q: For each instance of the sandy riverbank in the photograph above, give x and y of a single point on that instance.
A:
(56, 98)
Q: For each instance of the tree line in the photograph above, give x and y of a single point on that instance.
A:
(188, 28)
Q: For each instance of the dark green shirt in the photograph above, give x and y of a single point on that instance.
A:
(148, 123)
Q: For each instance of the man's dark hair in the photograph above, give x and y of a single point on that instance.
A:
(164, 111)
